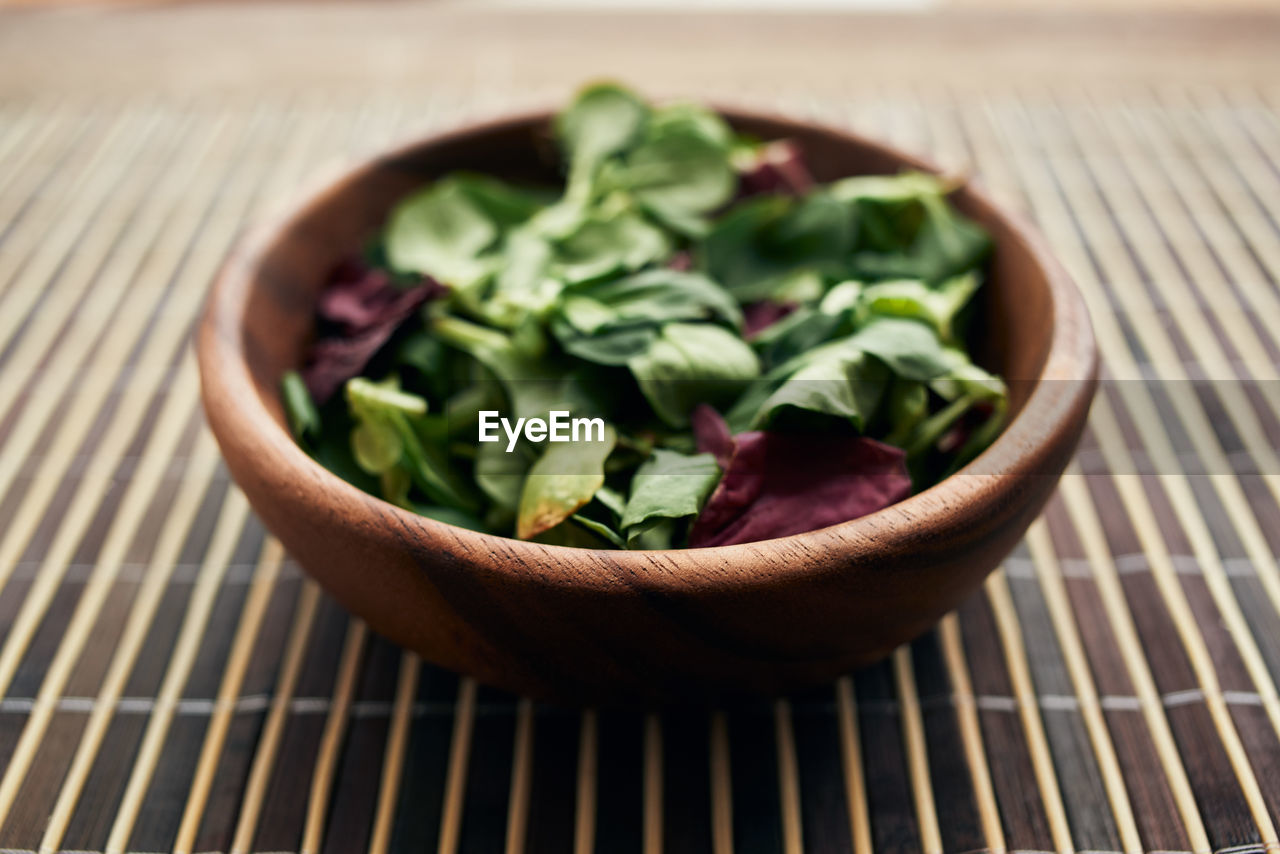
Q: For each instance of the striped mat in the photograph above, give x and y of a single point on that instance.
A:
(172, 682)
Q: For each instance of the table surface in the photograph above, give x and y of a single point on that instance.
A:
(170, 680)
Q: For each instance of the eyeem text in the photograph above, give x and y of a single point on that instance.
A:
(559, 427)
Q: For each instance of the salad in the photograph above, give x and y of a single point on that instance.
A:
(688, 343)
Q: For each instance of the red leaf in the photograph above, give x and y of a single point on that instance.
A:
(682, 261)
(712, 434)
(367, 308)
(778, 168)
(759, 316)
(779, 484)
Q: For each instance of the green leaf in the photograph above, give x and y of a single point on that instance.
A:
(663, 295)
(936, 306)
(331, 447)
(441, 232)
(375, 441)
(500, 475)
(678, 175)
(612, 500)
(911, 350)
(429, 468)
(604, 119)
(841, 298)
(838, 379)
(798, 332)
(299, 408)
(692, 118)
(370, 399)
(505, 205)
(377, 446)
(600, 529)
(980, 438)
(560, 482)
(908, 405)
(692, 363)
(612, 347)
(907, 230)
(602, 246)
(654, 535)
(610, 322)
(964, 378)
(903, 189)
(929, 431)
(523, 287)
(963, 385)
(669, 485)
(761, 243)
(385, 437)
(844, 384)
(533, 386)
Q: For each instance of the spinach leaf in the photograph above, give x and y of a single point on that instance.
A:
(936, 306)
(668, 485)
(906, 229)
(910, 349)
(441, 232)
(843, 383)
(807, 327)
(376, 441)
(963, 378)
(532, 385)
(680, 172)
(611, 322)
(499, 474)
(612, 500)
(603, 120)
(908, 406)
(560, 482)
(755, 247)
(694, 119)
(385, 438)
(600, 529)
(691, 363)
(603, 245)
(839, 379)
(299, 408)
(523, 287)
(965, 387)
(505, 205)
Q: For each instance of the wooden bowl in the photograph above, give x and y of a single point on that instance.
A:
(579, 625)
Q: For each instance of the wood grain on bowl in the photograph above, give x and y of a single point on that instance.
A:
(579, 625)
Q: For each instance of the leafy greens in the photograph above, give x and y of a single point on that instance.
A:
(764, 354)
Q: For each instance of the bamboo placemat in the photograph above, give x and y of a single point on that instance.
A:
(171, 681)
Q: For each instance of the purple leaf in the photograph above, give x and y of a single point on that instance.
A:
(779, 484)
(712, 434)
(777, 168)
(367, 308)
(682, 261)
(759, 316)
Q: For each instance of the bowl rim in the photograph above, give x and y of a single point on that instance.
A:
(1071, 355)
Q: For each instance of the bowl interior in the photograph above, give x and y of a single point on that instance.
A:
(1013, 321)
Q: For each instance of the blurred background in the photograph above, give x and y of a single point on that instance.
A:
(395, 48)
